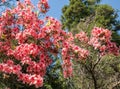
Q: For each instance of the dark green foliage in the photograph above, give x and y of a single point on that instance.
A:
(73, 12)
(80, 10)
(116, 38)
(54, 78)
(105, 16)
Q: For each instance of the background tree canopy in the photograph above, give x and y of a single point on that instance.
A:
(85, 14)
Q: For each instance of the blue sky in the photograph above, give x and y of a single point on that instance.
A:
(56, 6)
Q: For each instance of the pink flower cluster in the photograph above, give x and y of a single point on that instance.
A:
(4, 46)
(9, 67)
(67, 67)
(112, 48)
(43, 6)
(25, 50)
(80, 52)
(3, 1)
(101, 40)
(101, 34)
(82, 37)
(67, 64)
(71, 51)
(29, 40)
(34, 79)
(24, 38)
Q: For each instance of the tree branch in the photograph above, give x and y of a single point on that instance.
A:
(97, 61)
(114, 84)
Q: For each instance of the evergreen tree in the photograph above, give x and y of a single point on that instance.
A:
(79, 10)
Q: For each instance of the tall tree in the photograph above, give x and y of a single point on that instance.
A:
(70, 16)
(78, 10)
(84, 19)
(75, 11)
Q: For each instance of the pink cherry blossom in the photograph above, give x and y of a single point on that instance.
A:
(82, 37)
